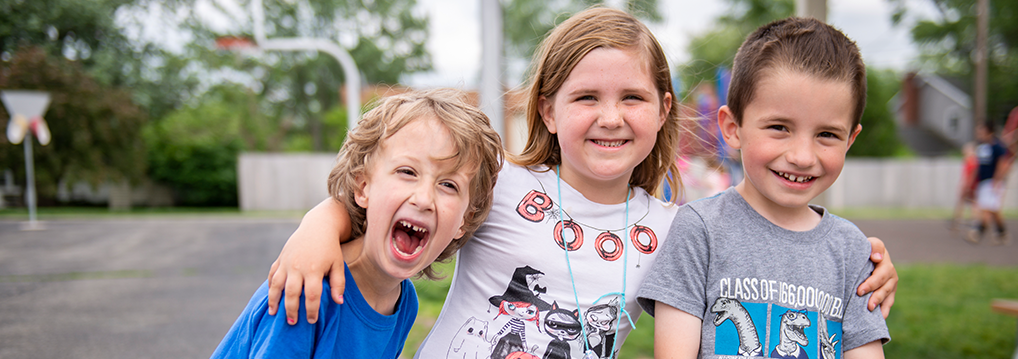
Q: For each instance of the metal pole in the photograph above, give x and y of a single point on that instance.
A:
(350, 71)
(30, 181)
(491, 101)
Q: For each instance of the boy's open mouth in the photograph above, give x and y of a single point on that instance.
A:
(408, 239)
(794, 178)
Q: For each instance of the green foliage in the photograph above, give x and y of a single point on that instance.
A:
(385, 38)
(194, 150)
(947, 43)
(95, 128)
(75, 28)
(879, 136)
(335, 128)
(717, 46)
(88, 33)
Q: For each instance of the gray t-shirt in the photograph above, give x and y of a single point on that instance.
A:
(763, 290)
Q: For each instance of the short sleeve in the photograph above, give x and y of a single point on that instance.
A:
(861, 325)
(679, 275)
(256, 334)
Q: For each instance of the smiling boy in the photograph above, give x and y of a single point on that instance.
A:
(757, 270)
(416, 176)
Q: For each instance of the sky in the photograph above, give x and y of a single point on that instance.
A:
(456, 49)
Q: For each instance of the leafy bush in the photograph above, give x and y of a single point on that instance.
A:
(194, 151)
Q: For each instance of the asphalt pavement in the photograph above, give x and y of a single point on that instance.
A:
(170, 287)
(148, 288)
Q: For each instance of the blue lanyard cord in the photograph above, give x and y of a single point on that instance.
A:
(625, 267)
(576, 297)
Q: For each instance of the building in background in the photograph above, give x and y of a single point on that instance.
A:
(934, 116)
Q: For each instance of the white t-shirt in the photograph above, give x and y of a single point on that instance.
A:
(512, 289)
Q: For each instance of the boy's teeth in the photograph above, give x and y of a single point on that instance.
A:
(794, 178)
(411, 226)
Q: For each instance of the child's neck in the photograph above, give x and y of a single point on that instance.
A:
(613, 191)
(379, 289)
(799, 219)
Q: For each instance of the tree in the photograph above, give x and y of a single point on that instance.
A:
(385, 37)
(947, 41)
(88, 32)
(95, 128)
(716, 47)
(197, 157)
(879, 136)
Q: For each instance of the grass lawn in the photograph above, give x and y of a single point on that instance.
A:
(940, 311)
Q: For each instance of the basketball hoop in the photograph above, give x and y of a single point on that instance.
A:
(240, 44)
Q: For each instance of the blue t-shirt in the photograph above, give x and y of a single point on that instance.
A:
(351, 330)
(988, 155)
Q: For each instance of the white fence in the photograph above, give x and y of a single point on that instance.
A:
(282, 181)
(909, 183)
(274, 181)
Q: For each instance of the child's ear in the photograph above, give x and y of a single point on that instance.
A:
(851, 137)
(729, 129)
(666, 106)
(361, 194)
(544, 108)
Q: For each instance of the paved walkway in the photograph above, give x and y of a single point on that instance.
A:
(171, 287)
(930, 241)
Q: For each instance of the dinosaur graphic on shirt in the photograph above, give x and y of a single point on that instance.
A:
(731, 309)
(791, 335)
(827, 343)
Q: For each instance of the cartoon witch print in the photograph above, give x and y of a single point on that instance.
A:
(522, 304)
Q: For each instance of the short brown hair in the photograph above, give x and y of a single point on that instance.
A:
(804, 45)
(477, 144)
(559, 53)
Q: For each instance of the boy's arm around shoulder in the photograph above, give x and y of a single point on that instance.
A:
(312, 252)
